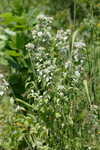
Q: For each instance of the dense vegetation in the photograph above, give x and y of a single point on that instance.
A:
(49, 75)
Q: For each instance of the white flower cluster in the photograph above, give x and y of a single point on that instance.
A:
(3, 85)
(62, 40)
(30, 46)
(63, 35)
(44, 65)
(78, 55)
(42, 36)
(44, 20)
(80, 45)
(76, 62)
(75, 57)
(45, 58)
(42, 32)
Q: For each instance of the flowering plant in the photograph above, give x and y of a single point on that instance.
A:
(57, 62)
(55, 113)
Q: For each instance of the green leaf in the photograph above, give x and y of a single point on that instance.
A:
(87, 91)
(25, 103)
(13, 53)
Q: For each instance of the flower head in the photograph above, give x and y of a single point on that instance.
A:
(44, 19)
(30, 46)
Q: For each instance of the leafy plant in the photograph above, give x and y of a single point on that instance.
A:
(49, 91)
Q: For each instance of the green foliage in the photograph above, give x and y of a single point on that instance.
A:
(49, 75)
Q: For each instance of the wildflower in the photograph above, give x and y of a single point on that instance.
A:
(68, 64)
(45, 19)
(48, 34)
(1, 93)
(41, 17)
(40, 34)
(34, 34)
(41, 48)
(1, 76)
(89, 148)
(79, 44)
(77, 73)
(30, 46)
(82, 61)
(61, 35)
(76, 58)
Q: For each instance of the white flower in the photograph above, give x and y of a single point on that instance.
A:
(77, 73)
(60, 34)
(89, 148)
(1, 76)
(40, 34)
(45, 18)
(41, 16)
(1, 93)
(34, 34)
(48, 34)
(68, 64)
(65, 38)
(79, 44)
(19, 108)
(41, 48)
(82, 61)
(46, 71)
(76, 58)
(30, 46)
(63, 35)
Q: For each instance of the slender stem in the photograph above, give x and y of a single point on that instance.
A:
(74, 12)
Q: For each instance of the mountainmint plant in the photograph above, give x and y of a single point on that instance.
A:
(56, 82)
(56, 112)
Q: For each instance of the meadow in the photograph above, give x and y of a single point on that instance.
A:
(49, 75)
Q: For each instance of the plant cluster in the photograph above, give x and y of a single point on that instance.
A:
(49, 91)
